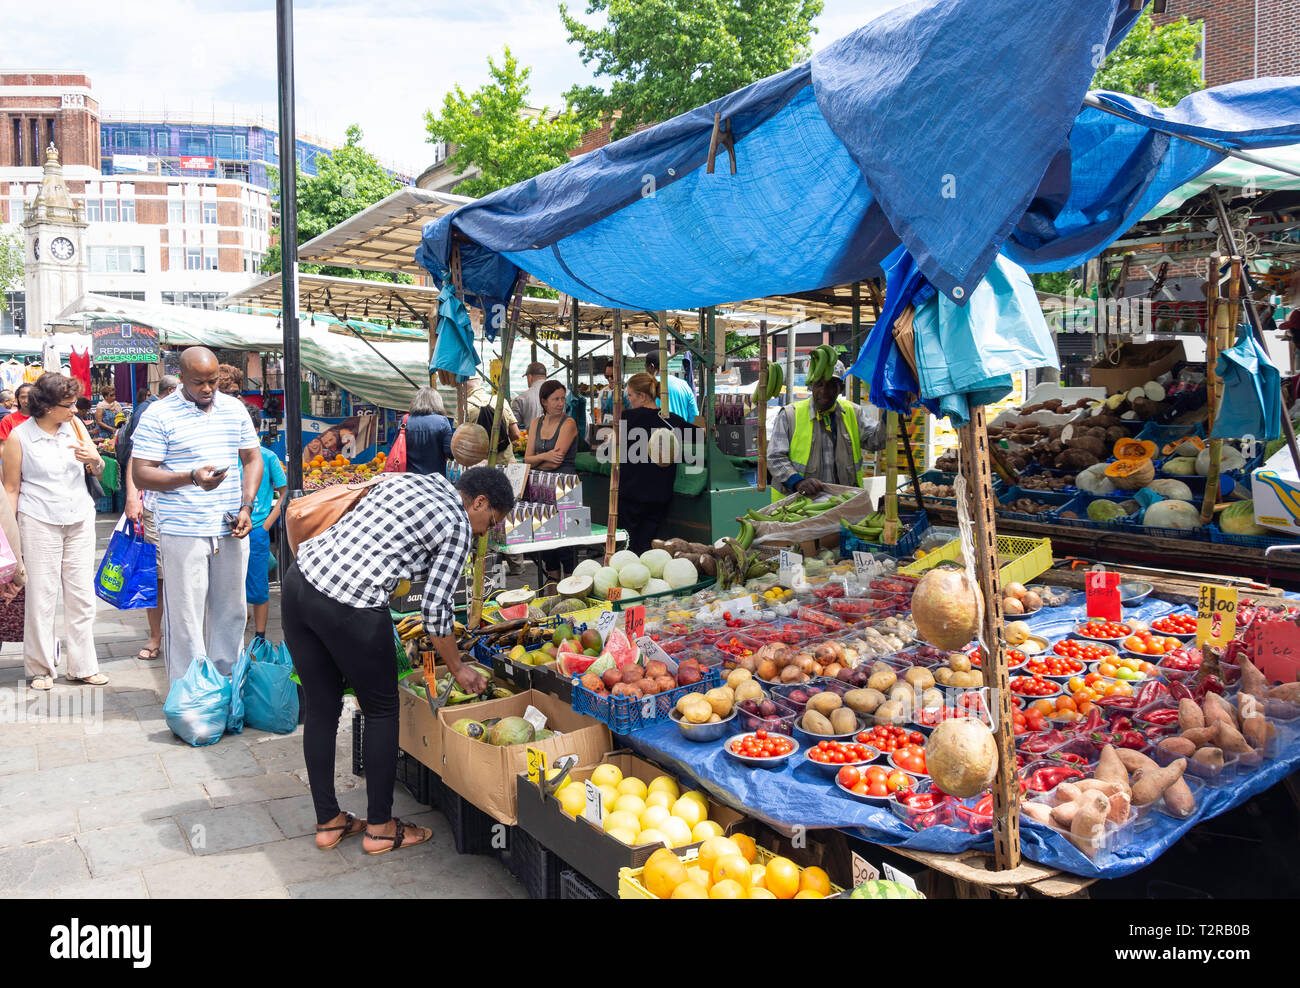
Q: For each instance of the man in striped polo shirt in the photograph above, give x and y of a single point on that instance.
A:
(188, 447)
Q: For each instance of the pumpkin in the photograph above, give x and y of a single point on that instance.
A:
(469, 444)
(1134, 449)
(1187, 446)
(1129, 475)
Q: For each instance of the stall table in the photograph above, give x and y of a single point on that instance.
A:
(597, 537)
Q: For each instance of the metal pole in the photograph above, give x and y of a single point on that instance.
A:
(857, 339)
(289, 246)
(761, 406)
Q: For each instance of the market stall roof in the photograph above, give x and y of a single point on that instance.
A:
(880, 138)
(349, 363)
(1234, 174)
(384, 236)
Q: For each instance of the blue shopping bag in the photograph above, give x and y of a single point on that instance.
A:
(270, 694)
(128, 573)
(238, 681)
(198, 704)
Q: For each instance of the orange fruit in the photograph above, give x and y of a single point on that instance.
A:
(757, 877)
(699, 876)
(756, 893)
(782, 878)
(747, 846)
(690, 890)
(808, 894)
(732, 867)
(715, 848)
(727, 889)
(663, 872)
(815, 880)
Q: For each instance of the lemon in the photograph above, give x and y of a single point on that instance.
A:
(554, 773)
(706, 829)
(573, 800)
(607, 775)
(665, 784)
(699, 798)
(676, 830)
(632, 787)
(653, 816)
(652, 836)
(660, 798)
(624, 835)
(622, 820)
(608, 796)
(632, 804)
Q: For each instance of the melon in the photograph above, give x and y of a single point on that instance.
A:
(655, 560)
(1093, 479)
(622, 558)
(1167, 487)
(680, 573)
(656, 586)
(1180, 466)
(878, 888)
(634, 576)
(663, 448)
(1131, 474)
(606, 577)
(574, 586)
(1172, 514)
(1238, 518)
(946, 608)
(620, 648)
(962, 757)
(510, 731)
(1230, 458)
(1102, 511)
(588, 567)
(469, 444)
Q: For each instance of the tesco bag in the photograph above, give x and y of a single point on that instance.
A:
(128, 573)
(198, 704)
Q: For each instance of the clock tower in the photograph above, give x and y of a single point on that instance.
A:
(55, 264)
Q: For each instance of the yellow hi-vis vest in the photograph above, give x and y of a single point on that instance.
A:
(802, 437)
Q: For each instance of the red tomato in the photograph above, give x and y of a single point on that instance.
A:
(898, 780)
(849, 776)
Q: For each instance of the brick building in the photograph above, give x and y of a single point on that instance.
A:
(42, 108)
(1243, 39)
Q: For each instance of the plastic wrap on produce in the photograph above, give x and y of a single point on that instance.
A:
(799, 796)
(825, 523)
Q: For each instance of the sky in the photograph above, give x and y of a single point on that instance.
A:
(377, 64)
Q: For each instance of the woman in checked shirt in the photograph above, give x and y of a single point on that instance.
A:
(334, 608)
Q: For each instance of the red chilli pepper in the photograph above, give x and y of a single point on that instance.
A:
(1179, 692)
(1148, 692)
(1094, 720)
(1118, 702)
(1120, 722)
(1166, 715)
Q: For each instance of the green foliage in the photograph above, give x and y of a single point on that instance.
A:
(664, 57)
(1156, 63)
(11, 264)
(739, 345)
(346, 182)
(1055, 282)
(494, 129)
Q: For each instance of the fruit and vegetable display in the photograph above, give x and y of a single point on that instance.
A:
(734, 867)
(321, 472)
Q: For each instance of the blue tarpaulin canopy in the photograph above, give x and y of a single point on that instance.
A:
(953, 127)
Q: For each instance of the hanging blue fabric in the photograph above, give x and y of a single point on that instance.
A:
(891, 385)
(1252, 403)
(454, 351)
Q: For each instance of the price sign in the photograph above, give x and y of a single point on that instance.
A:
(867, 565)
(605, 624)
(894, 875)
(863, 871)
(790, 569)
(635, 617)
(652, 652)
(1277, 650)
(593, 810)
(1102, 589)
(1216, 615)
(536, 766)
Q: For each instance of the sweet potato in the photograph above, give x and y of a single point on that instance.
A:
(1189, 715)
(1178, 747)
(1179, 799)
(1068, 792)
(1106, 788)
(1111, 769)
(1119, 807)
(1230, 740)
(1258, 731)
(1217, 708)
(1149, 784)
(1090, 819)
(1063, 814)
(1286, 691)
(1252, 680)
(1038, 812)
(1134, 761)
(1202, 736)
(1209, 757)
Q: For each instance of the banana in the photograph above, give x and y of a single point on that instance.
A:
(775, 380)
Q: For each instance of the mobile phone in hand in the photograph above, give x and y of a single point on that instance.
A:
(231, 518)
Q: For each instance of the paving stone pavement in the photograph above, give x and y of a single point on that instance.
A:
(101, 801)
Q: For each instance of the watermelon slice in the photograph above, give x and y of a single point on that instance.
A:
(571, 660)
(621, 649)
(513, 613)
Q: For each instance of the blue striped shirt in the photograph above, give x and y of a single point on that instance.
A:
(176, 434)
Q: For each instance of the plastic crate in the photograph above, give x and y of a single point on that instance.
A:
(574, 885)
(1057, 502)
(423, 785)
(536, 868)
(471, 828)
(358, 738)
(620, 605)
(104, 505)
(1023, 559)
(1201, 534)
(939, 477)
(1036, 469)
(629, 879)
(913, 527)
(623, 714)
(1221, 537)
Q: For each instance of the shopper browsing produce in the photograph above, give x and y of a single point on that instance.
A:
(653, 444)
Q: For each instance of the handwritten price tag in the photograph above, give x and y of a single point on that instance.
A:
(894, 875)
(790, 569)
(867, 565)
(593, 810)
(1277, 650)
(863, 871)
(651, 651)
(536, 766)
(635, 621)
(1102, 591)
(605, 624)
(1216, 615)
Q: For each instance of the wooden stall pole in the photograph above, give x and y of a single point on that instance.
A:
(616, 439)
(1006, 789)
(791, 340)
(1219, 319)
(433, 340)
(890, 534)
(503, 379)
(665, 408)
(911, 462)
(761, 388)
(573, 332)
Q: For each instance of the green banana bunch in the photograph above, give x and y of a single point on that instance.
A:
(769, 388)
(746, 536)
(823, 363)
(870, 529)
(800, 508)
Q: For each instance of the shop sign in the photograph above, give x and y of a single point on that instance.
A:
(194, 163)
(123, 343)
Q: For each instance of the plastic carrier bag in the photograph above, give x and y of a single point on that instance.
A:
(270, 694)
(198, 704)
(128, 573)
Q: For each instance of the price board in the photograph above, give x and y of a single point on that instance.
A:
(867, 565)
(605, 624)
(1216, 615)
(1277, 650)
(790, 569)
(536, 765)
(635, 621)
(1102, 590)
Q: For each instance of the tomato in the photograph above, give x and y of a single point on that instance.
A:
(898, 780)
(849, 776)
(877, 789)
(875, 773)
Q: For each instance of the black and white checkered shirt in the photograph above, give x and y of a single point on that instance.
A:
(409, 526)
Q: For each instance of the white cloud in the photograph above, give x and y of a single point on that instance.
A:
(380, 65)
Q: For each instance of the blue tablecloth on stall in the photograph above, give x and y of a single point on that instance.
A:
(799, 795)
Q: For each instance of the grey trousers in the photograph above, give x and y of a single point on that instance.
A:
(203, 601)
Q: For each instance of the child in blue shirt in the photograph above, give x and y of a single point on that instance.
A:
(266, 509)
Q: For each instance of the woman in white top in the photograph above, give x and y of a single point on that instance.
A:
(45, 461)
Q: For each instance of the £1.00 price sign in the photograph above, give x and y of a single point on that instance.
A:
(1216, 615)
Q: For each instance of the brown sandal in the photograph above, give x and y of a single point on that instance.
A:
(397, 841)
(347, 831)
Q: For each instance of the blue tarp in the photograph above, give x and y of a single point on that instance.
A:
(799, 795)
(946, 126)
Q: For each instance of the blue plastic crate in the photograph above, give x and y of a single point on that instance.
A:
(1201, 534)
(1058, 502)
(1079, 505)
(623, 714)
(1221, 537)
(914, 525)
(940, 477)
(1035, 469)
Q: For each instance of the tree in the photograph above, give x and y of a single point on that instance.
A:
(494, 129)
(666, 56)
(11, 265)
(345, 183)
(1156, 63)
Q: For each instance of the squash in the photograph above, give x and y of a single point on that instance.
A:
(1238, 518)
(1130, 475)
(1187, 446)
(1134, 449)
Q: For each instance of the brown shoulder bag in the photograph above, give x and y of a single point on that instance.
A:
(308, 516)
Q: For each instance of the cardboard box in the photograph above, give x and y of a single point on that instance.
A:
(577, 522)
(418, 732)
(485, 775)
(1276, 491)
(1138, 363)
(584, 846)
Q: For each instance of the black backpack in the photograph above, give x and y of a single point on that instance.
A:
(486, 415)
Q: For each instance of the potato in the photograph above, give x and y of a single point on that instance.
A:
(864, 701)
(931, 699)
(738, 676)
(749, 690)
(943, 675)
(825, 703)
(902, 692)
(720, 700)
(699, 711)
(843, 721)
(959, 662)
(920, 677)
(882, 680)
(879, 666)
(890, 712)
(967, 680)
(815, 723)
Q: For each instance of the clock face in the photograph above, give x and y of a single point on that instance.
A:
(61, 248)
(36, 248)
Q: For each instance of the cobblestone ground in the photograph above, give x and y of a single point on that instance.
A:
(101, 800)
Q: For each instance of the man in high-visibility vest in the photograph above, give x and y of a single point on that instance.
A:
(820, 440)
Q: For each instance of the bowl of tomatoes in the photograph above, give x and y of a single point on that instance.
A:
(1103, 631)
(888, 738)
(1178, 624)
(761, 749)
(873, 783)
(1084, 651)
(1130, 669)
(831, 756)
(910, 758)
(1144, 643)
(1052, 666)
(1035, 687)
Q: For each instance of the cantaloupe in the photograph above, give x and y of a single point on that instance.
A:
(962, 757)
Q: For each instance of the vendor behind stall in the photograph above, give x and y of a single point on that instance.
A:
(820, 440)
(646, 482)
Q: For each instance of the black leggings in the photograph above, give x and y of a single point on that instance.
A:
(331, 642)
(642, 519)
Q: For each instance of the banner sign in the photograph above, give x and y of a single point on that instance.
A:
(355, 438)
(195, 163)
(123, 343)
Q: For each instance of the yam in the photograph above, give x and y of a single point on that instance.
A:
(1090, 820)
(1210, 757)
(1134, 761)
(1149, 784)
(1179, 799)
(1178, 747)
(1252, 680)
(1076, 459)
(1063, 814)
(1217, 708)
(1258, 731)
(1231, 740)
(1148, 409)
(1286, 691)
(1111, 769)
(1189, 714)
(1067, 792)
(1201, 736)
